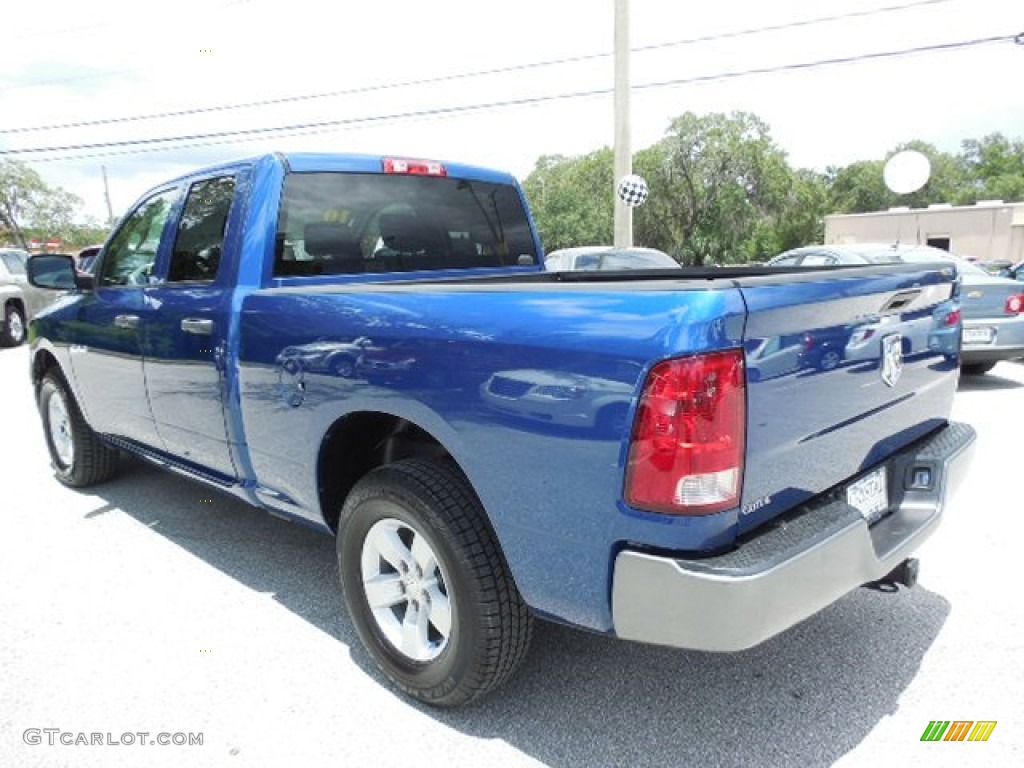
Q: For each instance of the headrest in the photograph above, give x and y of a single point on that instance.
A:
(403, 232)
(324, 238)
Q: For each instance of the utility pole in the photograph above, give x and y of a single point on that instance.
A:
(623, 152)
(106, 195)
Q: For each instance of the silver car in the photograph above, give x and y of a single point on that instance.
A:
(20, 301)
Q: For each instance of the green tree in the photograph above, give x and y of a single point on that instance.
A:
(860, 187)
(53, 214)
(20, 186)
(717, 182)
(27, 203)
(799, 218)
(572, 199)
(993, 168)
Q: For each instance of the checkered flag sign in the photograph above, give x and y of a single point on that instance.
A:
(632, 190)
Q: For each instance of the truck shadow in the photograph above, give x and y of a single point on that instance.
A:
(805, 698)
(989, 381)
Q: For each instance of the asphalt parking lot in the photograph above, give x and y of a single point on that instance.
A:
(153, 605)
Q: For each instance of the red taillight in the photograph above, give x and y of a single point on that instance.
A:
(1015, 304)
(951, 318)
(414, 167)
(686, 450)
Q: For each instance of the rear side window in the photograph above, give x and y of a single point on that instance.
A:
(346, 223)
(128, 260)
(200, 237)
(15, 263)
(818, 260)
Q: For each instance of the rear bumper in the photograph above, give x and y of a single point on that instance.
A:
(780, 576)
(1007, 340)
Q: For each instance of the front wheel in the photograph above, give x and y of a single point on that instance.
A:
(13, 332)
(427, 587)
(343, 366)
(78, 456)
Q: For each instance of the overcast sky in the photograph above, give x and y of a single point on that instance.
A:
(68, 62)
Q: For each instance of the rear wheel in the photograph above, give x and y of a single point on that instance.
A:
(829, 360)
(343, 366)
(14, 326)
(79, 458)
(976, 369)
(427, 587)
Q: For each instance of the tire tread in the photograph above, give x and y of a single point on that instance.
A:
(507, 621)
(94, 461)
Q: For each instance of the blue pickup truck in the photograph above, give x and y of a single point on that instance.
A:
(372, 346)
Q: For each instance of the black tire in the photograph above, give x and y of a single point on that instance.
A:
(343, 366)
(490, 625)
(13, 333)
(976, 369)
(829, 360)
(82, 460)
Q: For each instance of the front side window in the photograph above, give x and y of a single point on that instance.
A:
(338, 223)
(200, 236)
(129, 258)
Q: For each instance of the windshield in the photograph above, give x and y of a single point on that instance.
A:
(583, 259)
(334, 223)
(636, 259)
(924, 257)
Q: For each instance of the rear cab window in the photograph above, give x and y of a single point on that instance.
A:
(354, 223)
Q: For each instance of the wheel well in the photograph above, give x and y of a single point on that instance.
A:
(42, 363)
(362, 442)
(18, 303)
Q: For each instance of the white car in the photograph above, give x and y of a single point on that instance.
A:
(591, 258)
(565, 398)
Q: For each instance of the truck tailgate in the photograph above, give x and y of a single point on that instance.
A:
(844, 368)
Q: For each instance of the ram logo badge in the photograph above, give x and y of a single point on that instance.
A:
(892, 359)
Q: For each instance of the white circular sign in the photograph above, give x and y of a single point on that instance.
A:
(632, 190)
(906, 172)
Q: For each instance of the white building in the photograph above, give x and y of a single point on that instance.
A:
(990, 230)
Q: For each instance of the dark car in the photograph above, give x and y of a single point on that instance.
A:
(992, 306)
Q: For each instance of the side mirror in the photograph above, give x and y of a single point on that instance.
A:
(57, 272)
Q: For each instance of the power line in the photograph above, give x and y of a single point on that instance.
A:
(505, 104)
(480, 73)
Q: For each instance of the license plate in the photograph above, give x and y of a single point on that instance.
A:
(977, 335)
(869, 495)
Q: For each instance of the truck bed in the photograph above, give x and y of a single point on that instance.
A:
(529, 380)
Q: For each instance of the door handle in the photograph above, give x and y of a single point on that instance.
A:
(198, 326)
(127, 322)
